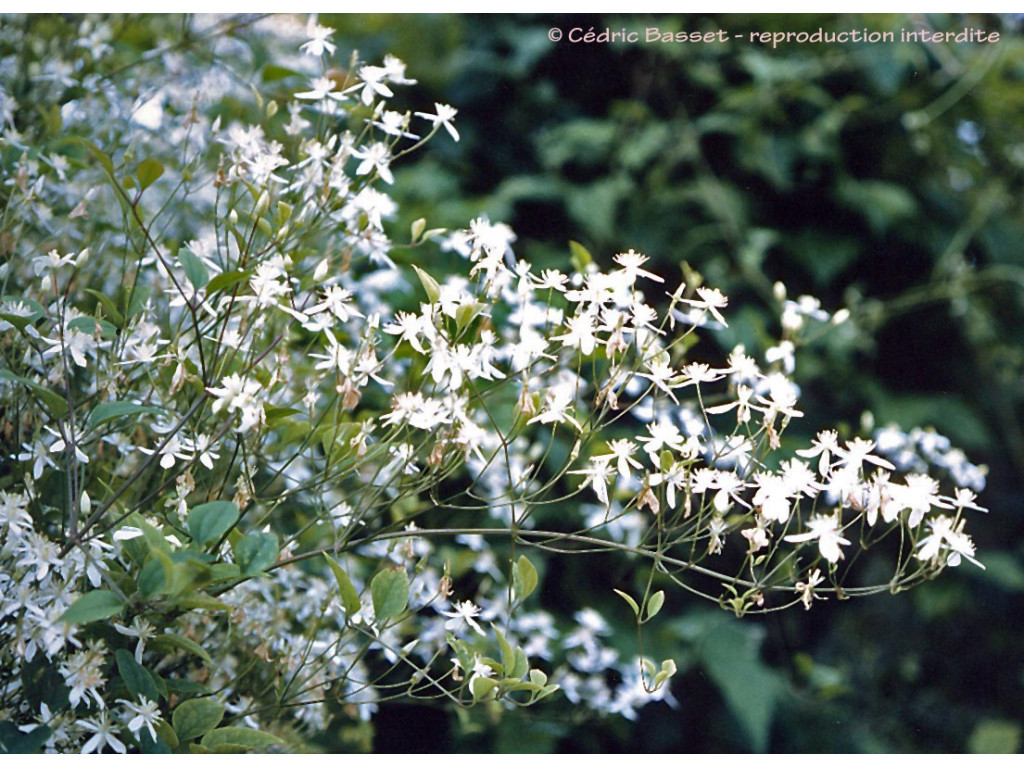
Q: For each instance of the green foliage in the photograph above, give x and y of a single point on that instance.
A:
(349, 596)
(105, 412)
(93, 606)
(138, 680)
(524, 578)
(195, 270)
(730, 654)
(255, 552)
(995, 737)
(390, 591)
(196, 717)
(210, 521)
(248, 739)
(14, 741)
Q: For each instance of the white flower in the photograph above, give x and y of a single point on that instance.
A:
(103, 735)
(663, 434)
(824, 528)
(824, 445)
(580, 333)
(946, 536)
(51, 262)
(741, 404)
(597, 476)
(394, 69)
(711, 300)
(239, 394)
(663, 376)
(140, 629)
(409, 327)
(556, 408)
(83, 674)
(377, 157)
(319, 39)
(631, 263)
(394, 124)
(964, 499)
(551, 279)
(321, 88)
(858, 451)
(373, 84)
(806, 588)
(465, 613)
(784, 353)
(700, 373)
(445, 115)
(623, 450)
(146, 715)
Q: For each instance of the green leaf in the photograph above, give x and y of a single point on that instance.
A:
(482, 687)
(390, 591)
(89, 325)
(272, 72)
(995, 737)
(668, 669)
(349, 596)
(256, 552)
(729, 654)
(186, 687)
(105, 412)
(22, 321)
(524, 578)
(508, 656)
(148, 171)
(276, 414)
(200, 602)
(580, 256)
(183, 643)
(138, 300)
(166, 733)
(655, 603)
(521, 667)
(247, 738)
(628, 599)
(1003, 569)
(99, 154)
(208, 522)
(18, 321)
(58, 405)
(429, 285)
(108, 305)
(196, 717)
(195, 269)
(152, 579)
(14, 741)
(93, 606)
(226, 571)
(466, 313)
(226, 280)
(137, 679)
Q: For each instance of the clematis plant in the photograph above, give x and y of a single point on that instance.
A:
(249, 447)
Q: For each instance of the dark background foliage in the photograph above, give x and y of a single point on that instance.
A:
(883, 177)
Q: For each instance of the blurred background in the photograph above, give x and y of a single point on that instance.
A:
(882, 177)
